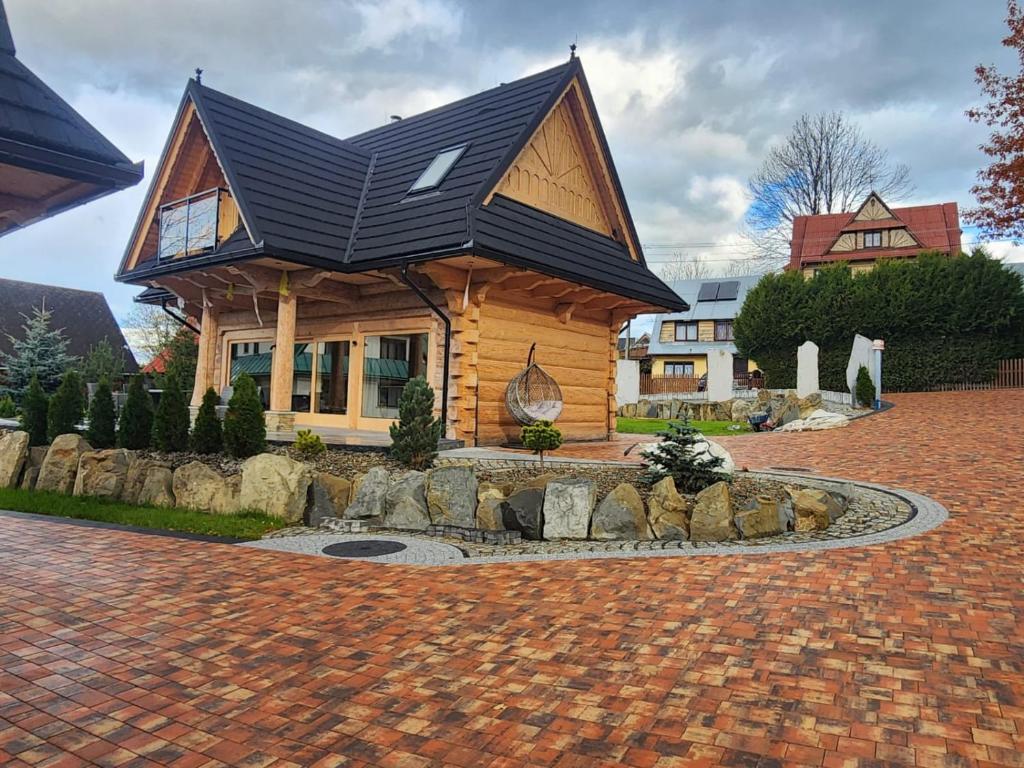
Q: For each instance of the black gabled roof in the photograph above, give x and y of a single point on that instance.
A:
(533, 239)
(33, 114)
(84, 316)
(345, 204)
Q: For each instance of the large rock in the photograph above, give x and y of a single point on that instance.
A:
(103, 473)
(667, 511)
(36, 457)
(150, 483)
(816, 420)
(451, 495)
(568, 503)
(807, 368)
(628, 411)
(786, 410)
(815, 509)
(523, 511)
(740, 409)
(706, 449)
(60, 467)
(759, 520)
(712, 515)
(369, 495)
(329, 496)
(13, 455)
(809, 404)
(620, 515)
(488, 506)
(276, 485)
(540, 482)
(405, 505)
(197, 486)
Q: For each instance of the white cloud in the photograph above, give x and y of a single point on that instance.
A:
(386, 21)
(727, 193)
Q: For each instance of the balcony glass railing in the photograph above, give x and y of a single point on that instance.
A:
(190, 226)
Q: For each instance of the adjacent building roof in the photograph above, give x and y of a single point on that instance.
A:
(933, 227)
(41, 133)
(84, 317)
(712, 307)
(346, 205)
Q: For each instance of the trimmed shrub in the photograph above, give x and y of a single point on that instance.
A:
(865, 387)
(34, 408)
(540, 437)
(308, 445)
(245, 431)
(102, 418)
(135, 430)
(170, 424)
(67, 406)
(7, 408)
(674, 456)
(944, 320)
(207, 432)
(415, 436)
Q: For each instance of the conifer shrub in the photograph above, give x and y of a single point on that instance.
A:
(102, 431)
(541, 436)
(67, 406)
(245, 431)
(7, 407)
(865, 387)
(135, 430)
(34, 408)
(207, 432)
(308, 445)
(170, 424)
(678, 456)
(415, 436)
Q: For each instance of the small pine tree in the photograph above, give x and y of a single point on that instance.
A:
(41, 352)
(170, 424)
(103, 362)
(34, 407)
(135, 430)
(415, 436)
(102, 419)
(674, 456)
(541, 436)
(245, 431)
(865, 387)
(182, 358)
(8, 410)
(207, 434)
(67, 406)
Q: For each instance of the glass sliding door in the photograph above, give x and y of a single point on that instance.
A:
(388, 363)
(302, 377)
(332, 377)
(254, 358)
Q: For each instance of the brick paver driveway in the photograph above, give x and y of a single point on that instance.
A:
(122, 649)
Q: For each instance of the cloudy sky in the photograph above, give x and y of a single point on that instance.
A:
(690, 93)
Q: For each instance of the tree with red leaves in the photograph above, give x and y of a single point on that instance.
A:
(1000, 187)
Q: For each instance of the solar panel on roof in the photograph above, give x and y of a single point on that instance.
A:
(728, 291)
(708, 292)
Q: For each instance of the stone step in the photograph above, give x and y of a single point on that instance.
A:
(340, 525)
(475, 535)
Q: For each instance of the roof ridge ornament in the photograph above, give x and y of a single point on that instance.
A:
(199, 76)
(572, 51)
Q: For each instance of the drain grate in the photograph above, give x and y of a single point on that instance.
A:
(366, 548)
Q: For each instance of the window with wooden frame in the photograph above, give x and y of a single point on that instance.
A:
(723, 330)
(679, 370)
(686, 331)
(189, 226)
(873, 238)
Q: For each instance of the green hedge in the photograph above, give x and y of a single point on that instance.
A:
(944, 321)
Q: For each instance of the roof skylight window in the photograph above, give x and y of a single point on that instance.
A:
(438, 168)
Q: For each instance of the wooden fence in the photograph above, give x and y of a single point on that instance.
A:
(1009, 375)
(664, 385)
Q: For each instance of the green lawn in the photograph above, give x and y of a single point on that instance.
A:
(652, 426)
(244, 525)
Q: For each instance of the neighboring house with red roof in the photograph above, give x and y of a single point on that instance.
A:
(872, 232)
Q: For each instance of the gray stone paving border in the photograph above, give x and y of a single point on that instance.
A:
(927, 514)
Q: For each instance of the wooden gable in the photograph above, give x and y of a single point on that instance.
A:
(873, 209)
(188, 165)
(562, 171)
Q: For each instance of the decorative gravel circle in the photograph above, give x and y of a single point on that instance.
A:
(364, 548)
(403, 548)
(876, 515)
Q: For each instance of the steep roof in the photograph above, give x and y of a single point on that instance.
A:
(346, 204)
(936, 227)
(41, 132)
(84, 316)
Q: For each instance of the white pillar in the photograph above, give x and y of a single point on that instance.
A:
(807, 369)
(719, 375)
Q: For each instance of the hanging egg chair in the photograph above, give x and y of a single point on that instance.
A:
(532, 395)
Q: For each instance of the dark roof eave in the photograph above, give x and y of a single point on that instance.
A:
(68, 166)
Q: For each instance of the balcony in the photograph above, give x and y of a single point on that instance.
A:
(196, 224)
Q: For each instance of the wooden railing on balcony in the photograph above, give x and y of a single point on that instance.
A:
(661, 385)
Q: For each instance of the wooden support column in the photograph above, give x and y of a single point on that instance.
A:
(613, 363)
(280, 417)
(206, 355)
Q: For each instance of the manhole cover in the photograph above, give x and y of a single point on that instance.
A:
(368, 548)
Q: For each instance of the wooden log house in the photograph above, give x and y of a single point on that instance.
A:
(445, 243)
